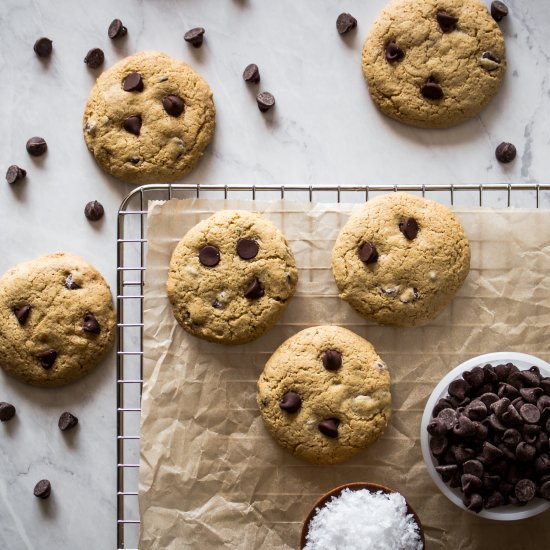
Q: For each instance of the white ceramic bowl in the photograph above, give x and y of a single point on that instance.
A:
(501, 513)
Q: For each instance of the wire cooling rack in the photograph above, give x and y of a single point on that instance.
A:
(131, 253)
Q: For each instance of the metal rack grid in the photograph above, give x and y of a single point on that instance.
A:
(131, 253)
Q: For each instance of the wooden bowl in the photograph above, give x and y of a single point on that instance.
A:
(373, 488)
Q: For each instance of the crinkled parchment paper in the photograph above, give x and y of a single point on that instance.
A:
(212, 477)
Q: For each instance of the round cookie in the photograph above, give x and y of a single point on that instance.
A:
(57, 320)
(325, 394)
(230, 277)
(419, 50)
(401, 259)
(148, 118)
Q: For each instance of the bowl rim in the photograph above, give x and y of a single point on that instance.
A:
(501, 513)
(356, 486)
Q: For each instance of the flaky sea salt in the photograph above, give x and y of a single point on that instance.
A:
(361, 520)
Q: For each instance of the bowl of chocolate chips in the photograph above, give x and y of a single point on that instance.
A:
(485, 436)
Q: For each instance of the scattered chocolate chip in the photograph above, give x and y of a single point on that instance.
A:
(94, 58)
(173, 105)
(247, 248)
(133, 125)
(251, 73)
(67, 421)
(530, 413)
(132, 83)
(94, 211)
(290, 402)
(22, 313)
(36, 146)
(498, 10)
(265, 101)
(458, 388)
(409, 228)
(47, 359)
(368, 253)
(332, 360)
(525, 490)
(431, 89)
(42, 489)
(329, 427)
(15, 174)
(91, 324)
(70, 284)
(505, 152)
(116, 29)
(394, 52)
(209, 256)
(195, 37)
(43, 47)
(7, 411)
(446, 22)
(345, 23)
(254, 290)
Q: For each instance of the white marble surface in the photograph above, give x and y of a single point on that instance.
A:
(324, 130)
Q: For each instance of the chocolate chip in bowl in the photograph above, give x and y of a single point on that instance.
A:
(484, 436)
(359, 515)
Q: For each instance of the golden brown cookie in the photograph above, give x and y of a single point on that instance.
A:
(325, 394)
(401, 259)
(433, 63)
(57, 320)
(148, 118)
(230, 277)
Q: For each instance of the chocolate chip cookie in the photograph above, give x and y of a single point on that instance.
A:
(325, 394)
(148, 118)
(434, 63)
(401, 259)
(57, 320)
(230, 277)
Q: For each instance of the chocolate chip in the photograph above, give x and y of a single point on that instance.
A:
(498, 10)
(42, 489)
(446, 22)
(329, 427)
(490, 453)
(132, 83)
(254, 290)
(473, 467)
(332, 360)
(15, 174)
(545, 385)
(473, 502)
(448, 417)
(368, 253)
(474, 377)
(458, 388)
(490, 482)
(530, 413)
(90, 324)
(133, 125)
(508, 391)
(290, 402)
(530, 432)
(463, 453)
(94, 211)
(464, 427)
(441, 404)
(265, 101)
(251, 73)
(345, 23)
(116, 29)
(217, 305)
(438, 445)
(7, 411)
(36, 146)
(542, 464)
(470, 484)
(247, 248)
(502, 372)
(505, 152)
(173, 105)
(67, 421)
(436, 427)
(545, 490)
(542, 443)
(511, 416)
(431, 89)
(531, 395)
(447, 471)
(195, 37)
(22, 313)
(496, 424)
(209, 256)
(480, 431)
(409, 228)
(543, 403)
(494, 499)
(94, 58)
(43, 47)
(511, 437)
(489, 61)
(476, 410)
(525, 490)
(394, 52)
(525, 452)
(488, 398)
(70, 284)
(47, 358)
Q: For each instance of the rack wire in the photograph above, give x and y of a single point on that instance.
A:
(131, 254)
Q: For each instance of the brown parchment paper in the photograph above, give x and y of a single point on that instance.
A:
(212, 477)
